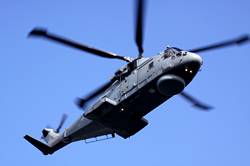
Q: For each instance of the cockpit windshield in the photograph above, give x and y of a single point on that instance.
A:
(176, 49)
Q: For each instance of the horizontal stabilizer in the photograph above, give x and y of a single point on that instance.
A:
(45, 149)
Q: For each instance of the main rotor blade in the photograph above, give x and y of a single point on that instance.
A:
(81, 102)
(39, 32)
(196, 103)
(236, 41)
(139, 25)
(64, 117)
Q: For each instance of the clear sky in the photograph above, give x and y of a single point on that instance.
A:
(40, 80)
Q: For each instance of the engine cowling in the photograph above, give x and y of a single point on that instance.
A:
(170, 85)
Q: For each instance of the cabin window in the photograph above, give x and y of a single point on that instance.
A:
(151, 65)
(167, 53)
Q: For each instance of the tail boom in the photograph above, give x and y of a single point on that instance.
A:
(45, 149)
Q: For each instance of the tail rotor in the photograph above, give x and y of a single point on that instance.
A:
(62, 121)
(49, 130)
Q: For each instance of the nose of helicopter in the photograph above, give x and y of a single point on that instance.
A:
(188, 67)
(191, 65)
(195, 58)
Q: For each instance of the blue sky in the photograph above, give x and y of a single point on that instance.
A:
(40, 80)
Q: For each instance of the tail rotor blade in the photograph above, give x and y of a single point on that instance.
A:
(64, 117)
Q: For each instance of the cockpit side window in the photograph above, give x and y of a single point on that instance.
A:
(165, 56)
(167, 53)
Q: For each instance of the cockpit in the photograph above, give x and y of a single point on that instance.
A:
(173, 51)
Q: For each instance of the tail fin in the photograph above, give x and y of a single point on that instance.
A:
(45, 149)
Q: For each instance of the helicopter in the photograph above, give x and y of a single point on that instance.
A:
(136, 89)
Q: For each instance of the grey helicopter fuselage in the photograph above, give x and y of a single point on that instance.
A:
(135, 90)
(150, 82)
(139, 87)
